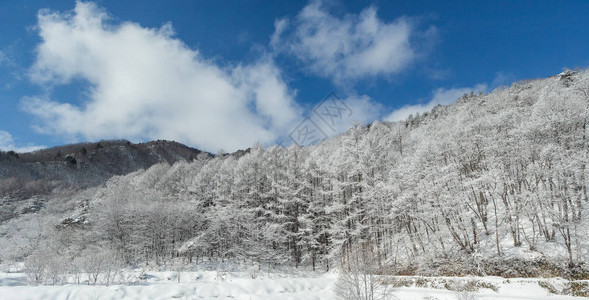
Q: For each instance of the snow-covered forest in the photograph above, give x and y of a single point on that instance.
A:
(495, 184)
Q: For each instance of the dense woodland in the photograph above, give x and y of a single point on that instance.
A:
(495, 184)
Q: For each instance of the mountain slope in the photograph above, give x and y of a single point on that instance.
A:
(80, 166)
(495, 184)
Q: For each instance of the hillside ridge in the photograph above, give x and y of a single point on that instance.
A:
(84, 165)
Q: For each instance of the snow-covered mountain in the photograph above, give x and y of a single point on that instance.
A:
(495, 184)
(85, 165)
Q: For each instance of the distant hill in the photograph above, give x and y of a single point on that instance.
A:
(80, 166)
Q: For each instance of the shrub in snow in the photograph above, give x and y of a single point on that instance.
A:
(100, 262)
(254, 271)
(361, 276)
(35, 266)
(57, 269)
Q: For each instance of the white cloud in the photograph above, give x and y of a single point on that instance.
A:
(349, 48)
(502, 79)
(7, 144)
(441, 96)
(364, 111)
(5, 58)
(147, 84)
(333, 116)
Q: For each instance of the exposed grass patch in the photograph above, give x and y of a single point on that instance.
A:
(548, 286)
(577, 288)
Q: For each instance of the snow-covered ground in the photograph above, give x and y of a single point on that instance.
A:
(241, 285)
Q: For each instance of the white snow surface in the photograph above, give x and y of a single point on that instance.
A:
(241, 285)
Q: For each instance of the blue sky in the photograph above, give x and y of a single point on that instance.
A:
(225, 74)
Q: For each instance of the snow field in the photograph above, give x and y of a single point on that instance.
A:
(288, 285)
